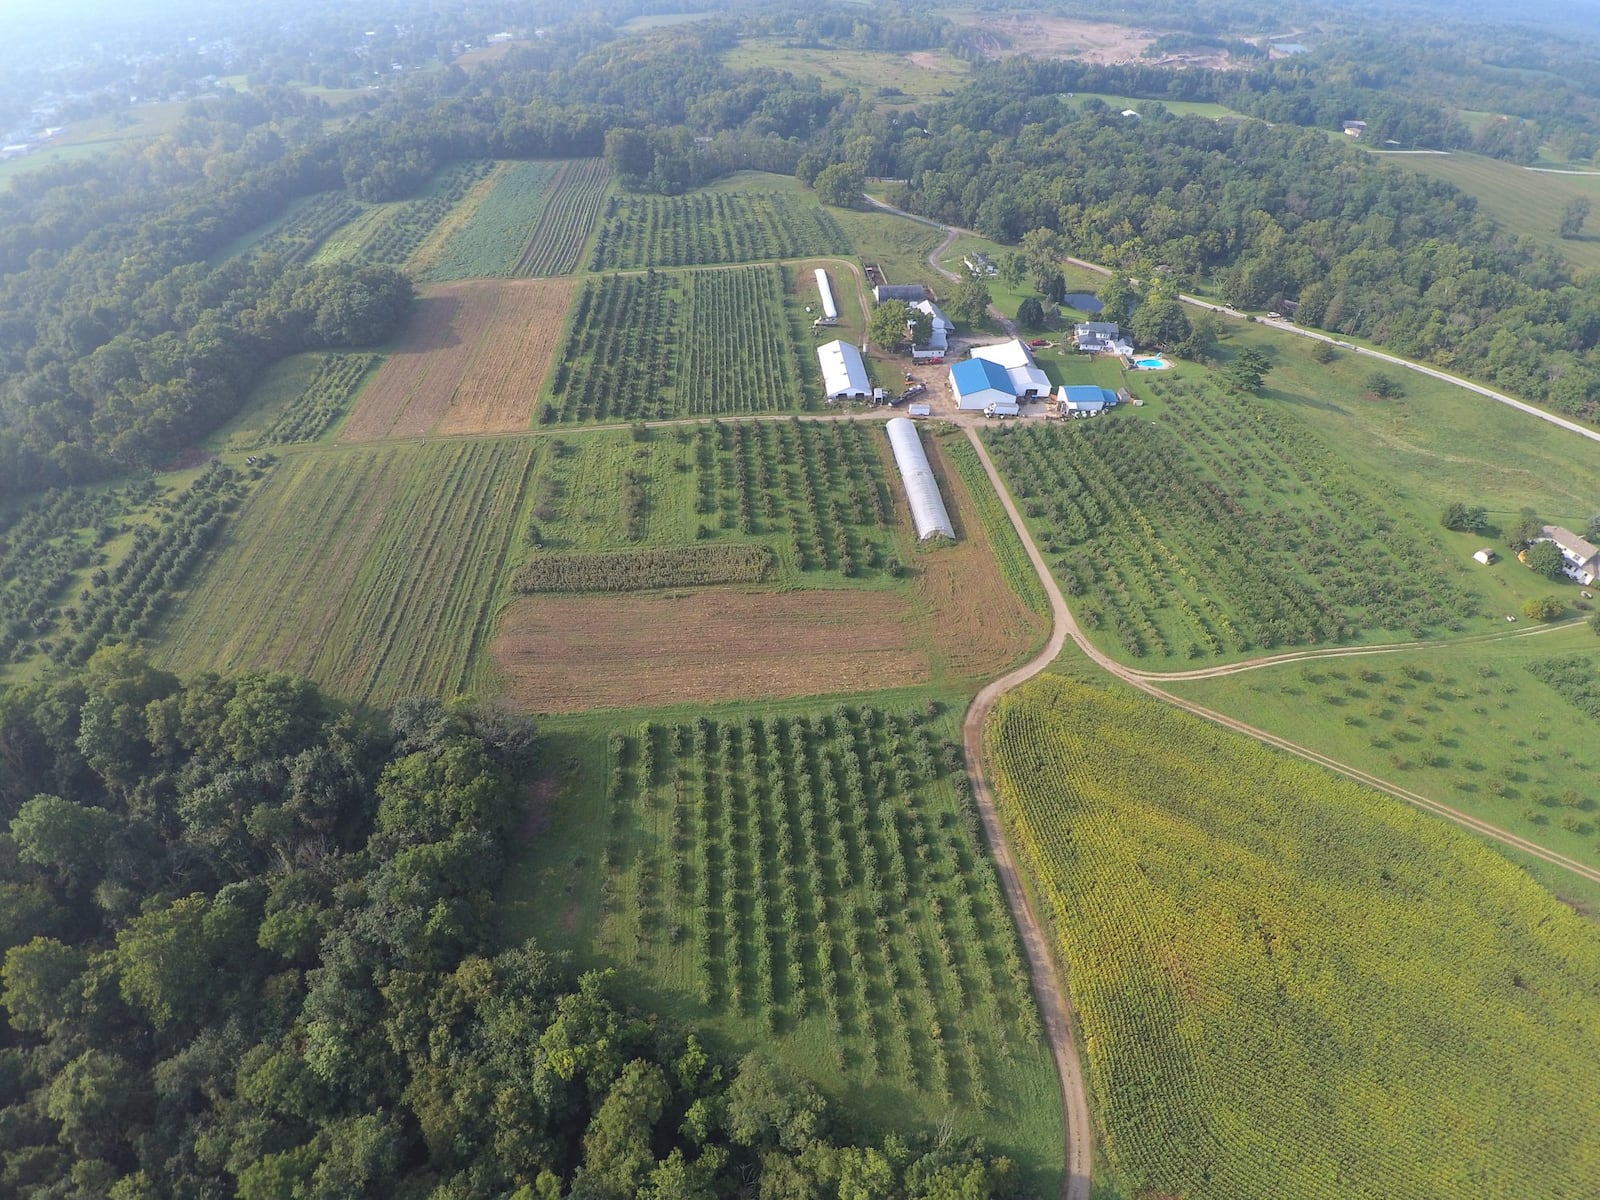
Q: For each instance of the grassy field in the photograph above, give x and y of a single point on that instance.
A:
(889, 79)
(505, 219)
(898, 246)
(812, 883)
(1288, 985)
(374, 572)
(672, 344)
(1525, 202)
(714, 226)
(1178, 108)
(1204, 526)
(558, 241)
(1467, 724)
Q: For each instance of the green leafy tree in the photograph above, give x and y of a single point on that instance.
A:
(1013, 267)
(75, 840)
(887, 325)
(1527, 529)
(1118, 298)
(41, 982)
(841, 185)
(968, 306)
(617, 1154)
(769, 1107)
(1542, 608)
(1594, 622)
(1465, 518)
(1573, 216)
(1322, 352)
(1160, 320)
(1544, 558)
(1248, 370)
(1383, 386)
(1042, 250)
(1030, 314)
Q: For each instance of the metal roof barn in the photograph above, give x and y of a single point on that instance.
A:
(844, 375)
(830, 310)
(928, 512)
(977, 383)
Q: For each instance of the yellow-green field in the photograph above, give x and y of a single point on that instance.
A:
(912, 78)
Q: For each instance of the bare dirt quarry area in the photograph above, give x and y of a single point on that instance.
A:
(1060, 37)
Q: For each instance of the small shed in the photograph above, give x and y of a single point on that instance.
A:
(1485, 556)
(928, 512)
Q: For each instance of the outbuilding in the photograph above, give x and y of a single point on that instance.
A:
(1017, 360)
(1084, 399)
(928, 512)
(844, 375)
(1485, 556)
(978, 383)
(830, 310)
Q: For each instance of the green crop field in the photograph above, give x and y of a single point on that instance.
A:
(562, 232)
(491, 243)
(373, 571)
(816, 492)
(666, 344)
(891, 79)
(1471, 725)
(1526, 202)
(815, 885)
(1214, 527)
(1289, 985)
(712, 227)
(387, 233)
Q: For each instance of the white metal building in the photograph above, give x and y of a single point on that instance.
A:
(1026, 377)
(978, 383)
(844, 375)
(928, 512)
(830, 310)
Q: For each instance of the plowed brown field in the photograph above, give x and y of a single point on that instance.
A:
(569, 653)
(473, 360)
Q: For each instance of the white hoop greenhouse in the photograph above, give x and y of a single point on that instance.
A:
(928, 512)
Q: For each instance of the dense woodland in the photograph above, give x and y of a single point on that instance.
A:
(250, 950)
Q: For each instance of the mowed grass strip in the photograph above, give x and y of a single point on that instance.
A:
(372, 571)
(1289, 985)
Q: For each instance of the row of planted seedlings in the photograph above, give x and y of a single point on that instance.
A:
(297, 239)
(568, 216)
(738, 354)
(712, 227)
(409, 225)
(622, 346)
(796, 859)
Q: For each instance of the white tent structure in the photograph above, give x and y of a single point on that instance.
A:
(844, 375)
(830, 310)
(928, 512)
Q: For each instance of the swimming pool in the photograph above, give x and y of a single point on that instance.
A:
(1151, 364)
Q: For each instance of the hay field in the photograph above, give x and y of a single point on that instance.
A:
(472, 360)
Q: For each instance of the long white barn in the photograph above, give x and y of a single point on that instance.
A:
(928, 512)
(844, 375)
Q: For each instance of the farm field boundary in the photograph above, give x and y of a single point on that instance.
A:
(473, 359)
(564, 226)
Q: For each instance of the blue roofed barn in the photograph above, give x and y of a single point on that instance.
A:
(978, 383)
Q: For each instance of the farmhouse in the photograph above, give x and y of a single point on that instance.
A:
(1355, 128)
(1017, 360)
(978, 383)
(830, 310)
(1579, 558)
(1079, 400)
(909, 292)
(1095, 337)
(928, 512)
(844, 375)
(940, 340)
(979, 265)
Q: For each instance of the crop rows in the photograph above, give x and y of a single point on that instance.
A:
(372, 571)
(127, 601)
(642, 570)
(408, 226)
(309, 415)
(491, 243)
(814, 869)
(1218, 531)
(713, 227)
(43, 547)
(663, 344)
(298, 238)
(568, 217)
(821, 481)
(1237, 925)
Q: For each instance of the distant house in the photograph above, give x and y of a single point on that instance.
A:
(979, 264)
(1017, 361)
(1579, 559)
(978, 383)
(1096, 337)
(909, 292)
(844, 375)
(1289, 48)
(1355, 128)
(1084, 400)
(1486, 556)
(1131, 112)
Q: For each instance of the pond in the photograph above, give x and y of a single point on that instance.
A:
(1082, 301)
